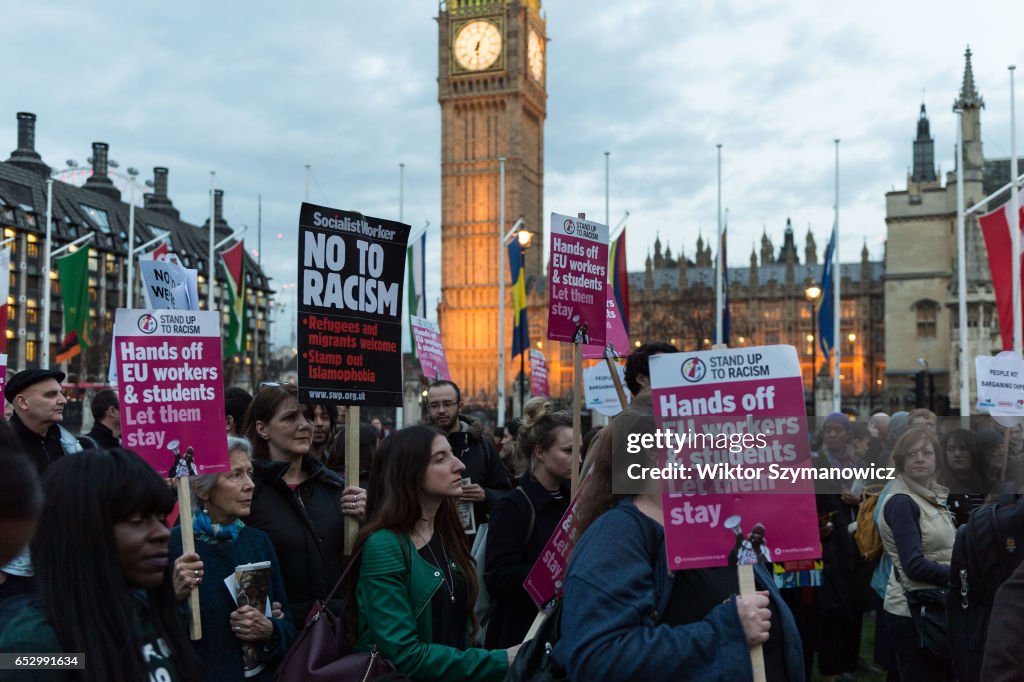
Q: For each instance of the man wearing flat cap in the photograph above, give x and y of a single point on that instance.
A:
(38, 411)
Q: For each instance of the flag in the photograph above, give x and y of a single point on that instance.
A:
(725, 289)
(995, 228)
(233, 262)
(620, 278)
(521, 330)
(5, 291)
(417, 277)
(73, 273)
(416, 291)
(826, 312)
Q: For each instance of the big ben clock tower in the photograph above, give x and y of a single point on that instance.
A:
(491, 73)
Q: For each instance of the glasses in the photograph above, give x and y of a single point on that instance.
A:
(444, 405)
(271, 384)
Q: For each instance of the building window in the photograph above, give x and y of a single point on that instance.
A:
(848, 309)
(927, 318)
(98, 216)
(33, 251)
(30, 351)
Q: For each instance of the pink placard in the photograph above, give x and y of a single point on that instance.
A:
(577, 280)
(616, 343)
(546, 580)
(538, 374)
(3, 371)
(171, 390)
(737, 424)
(429, 349)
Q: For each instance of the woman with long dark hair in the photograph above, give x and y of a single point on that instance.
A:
(298, 502)
(416, 585)
(960, 470)
(523, 521)
(101, 560)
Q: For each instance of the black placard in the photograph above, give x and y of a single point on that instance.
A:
(351, 301)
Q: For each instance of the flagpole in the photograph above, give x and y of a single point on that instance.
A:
(837, 278)
(400, 410)
(607, 211)
(718, 260)
(44, 351)
(130, 284)
(961, 264)
(501, 292)
(1015, 219)
(210, 277)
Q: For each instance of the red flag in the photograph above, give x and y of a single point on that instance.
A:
(995, 227)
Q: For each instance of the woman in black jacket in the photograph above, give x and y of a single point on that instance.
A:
(523, 521)
(298, 502)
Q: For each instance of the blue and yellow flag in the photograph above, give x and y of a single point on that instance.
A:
(521, 330)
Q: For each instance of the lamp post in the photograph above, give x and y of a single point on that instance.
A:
(505, 239)
(812, 293)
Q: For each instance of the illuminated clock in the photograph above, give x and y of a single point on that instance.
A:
(477, 45)
(535, 56)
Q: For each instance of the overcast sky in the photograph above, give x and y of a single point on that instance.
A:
(256, 90)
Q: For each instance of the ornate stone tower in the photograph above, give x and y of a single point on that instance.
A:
(491, 87)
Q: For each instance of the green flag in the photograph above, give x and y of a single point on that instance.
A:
(73, 272)
(233, 262)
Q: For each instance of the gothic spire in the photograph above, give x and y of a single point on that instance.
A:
(969, 97)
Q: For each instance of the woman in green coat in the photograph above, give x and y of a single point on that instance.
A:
(417, 585)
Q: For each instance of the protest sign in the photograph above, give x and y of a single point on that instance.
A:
(169, 286)
(3, 372)
(1000, 384)
(351, 276)
(538, 374)
(578, 280)
(734, 424)
(600, 388)
(5, 291)
(429, 348)
(616, 343)
(546, 580)
(171, 389)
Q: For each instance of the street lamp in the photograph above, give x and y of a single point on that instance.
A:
(813, 293)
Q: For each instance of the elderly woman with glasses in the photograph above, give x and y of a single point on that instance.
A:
(297, 501)
(238, 642)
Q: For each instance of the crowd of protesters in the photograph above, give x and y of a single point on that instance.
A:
(92, 558)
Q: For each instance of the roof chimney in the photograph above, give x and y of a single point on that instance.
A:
(99, 181)
(220, 225)
(157, 200)
(26, 155)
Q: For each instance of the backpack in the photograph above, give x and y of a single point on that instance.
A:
(985, 554)
(866, 535)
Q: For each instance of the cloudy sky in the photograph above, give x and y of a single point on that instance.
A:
(257, 90)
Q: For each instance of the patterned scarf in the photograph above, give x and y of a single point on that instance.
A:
(213, 533)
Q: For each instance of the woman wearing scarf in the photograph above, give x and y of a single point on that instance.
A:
(223, 542)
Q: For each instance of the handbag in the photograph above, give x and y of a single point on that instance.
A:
(322, 650)
(928, 611)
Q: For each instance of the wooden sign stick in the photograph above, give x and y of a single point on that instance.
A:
(188, 544)
(613, 369)
(351, 471)
(577, 402)
(748, 589)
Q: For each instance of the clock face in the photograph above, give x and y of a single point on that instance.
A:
(477, 45)
(535, 56)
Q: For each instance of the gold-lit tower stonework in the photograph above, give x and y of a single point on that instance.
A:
(491, 87)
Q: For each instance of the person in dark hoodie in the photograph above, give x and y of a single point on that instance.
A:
(106, 426)
(488, 478)
(297, 501)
